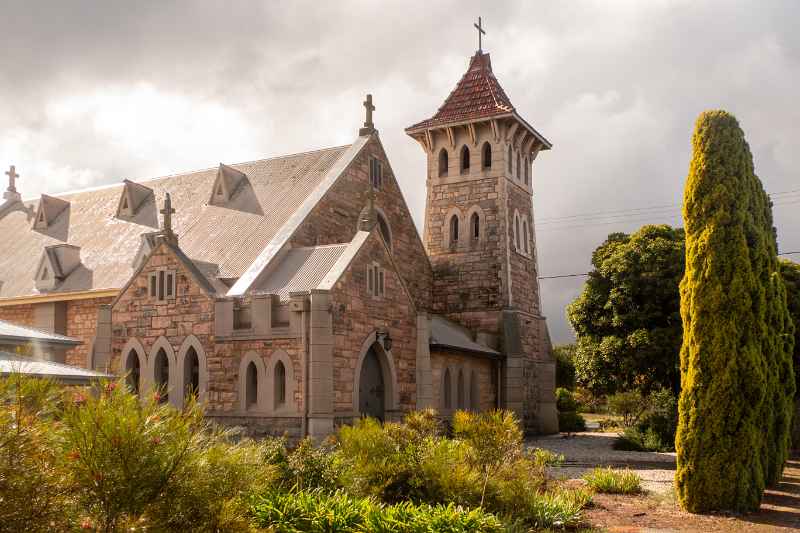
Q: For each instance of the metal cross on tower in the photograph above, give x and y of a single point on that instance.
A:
(481, 33)
(12, 176)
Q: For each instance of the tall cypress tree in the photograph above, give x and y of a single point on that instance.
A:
(720, 443)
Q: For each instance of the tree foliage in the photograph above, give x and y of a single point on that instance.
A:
(565, 365)
(627, 319)
(733, 405)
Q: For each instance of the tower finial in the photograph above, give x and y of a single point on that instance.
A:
(12, 176)
(369, 127)
(481, 33)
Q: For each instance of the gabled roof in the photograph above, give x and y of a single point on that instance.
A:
(228, 181)
(132, 197)
(449, 335)
(477, 95)
(49, 209)
(301, 269)
(14, 364)
(16, 334)
(226, 240)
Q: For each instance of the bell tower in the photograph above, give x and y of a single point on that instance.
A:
(479, 233)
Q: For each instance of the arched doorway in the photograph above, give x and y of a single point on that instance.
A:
(371, 387)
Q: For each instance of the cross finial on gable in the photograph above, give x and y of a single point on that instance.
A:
(369, 127)
(168, 211)
(12, 176)
(481, 33)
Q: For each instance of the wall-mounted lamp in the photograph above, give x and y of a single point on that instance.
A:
(384, 338)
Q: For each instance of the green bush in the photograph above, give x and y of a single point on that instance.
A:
(655, 429)
(565, 401)
(320, 512)
(630, 405)
(610, 481)
(565, 366)
(34, 493)
(571, 422)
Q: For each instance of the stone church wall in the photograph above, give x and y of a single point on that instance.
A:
(524, 284)
(484, 371)
(82, 325)
(356, 315)
(136, 315)
(18, 314)
(335, 220)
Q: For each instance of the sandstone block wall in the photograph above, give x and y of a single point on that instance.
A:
(481, 369)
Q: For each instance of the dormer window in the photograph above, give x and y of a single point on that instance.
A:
(132, 198)
(55, 265)
(226, 184)
(49, 209)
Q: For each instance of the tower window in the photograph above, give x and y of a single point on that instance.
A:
(527, 171)
(375, 173)
(443, 162)
(509, 159)
(486, 156)
(516, 233)
(519, 167)
(475, 225)
(526, 236)
(454, 229)
(464, 160)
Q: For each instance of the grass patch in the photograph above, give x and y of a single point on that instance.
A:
(610, 481)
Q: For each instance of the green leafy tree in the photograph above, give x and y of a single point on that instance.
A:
(790, 272)
(734, 324)
(627, 319)
(565, 365)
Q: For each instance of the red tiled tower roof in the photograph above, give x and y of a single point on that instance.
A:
(477, 95)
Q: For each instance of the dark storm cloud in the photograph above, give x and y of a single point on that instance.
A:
(95, 91)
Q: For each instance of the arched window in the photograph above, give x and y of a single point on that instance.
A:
(280, 384)
(460, 390)
(251, 384)
(191, 373)
(516, 233)
(383, 226)
(475, 226)
(464, 159)
(525, 236)
(519, 167)
(443, 162)
(527, 171)
(474, 392)
(454, 229)
(446, 392)
(161, 374)
(486, 156)
(510, 160)
(134, 370)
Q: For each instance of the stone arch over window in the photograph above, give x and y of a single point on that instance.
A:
(486, 156)
(280, 383)
(447, 390)
(464, 160)
(134, 359)
(162, 371)
(383, 224)
(444, 162)
(192, 369)
(389, 374)
(477, 224)
(453, 230)
(510, 161)
(252, 381)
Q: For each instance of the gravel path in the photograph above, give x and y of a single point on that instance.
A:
(584, 451)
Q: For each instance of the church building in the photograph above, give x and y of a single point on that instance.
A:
(294, 294)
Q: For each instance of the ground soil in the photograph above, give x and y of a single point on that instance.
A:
(656, 510)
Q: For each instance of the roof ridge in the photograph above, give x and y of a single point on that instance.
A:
(186, 173)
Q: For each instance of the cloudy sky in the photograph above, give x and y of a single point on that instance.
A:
(94, 92)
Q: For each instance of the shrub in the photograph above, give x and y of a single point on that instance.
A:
(655, 430)
(565, 366)
(312, 467)
(319, 512)
(612, 481)
(571, 422)
(565, 402)
(34, 494)
(630, 405)
(589, 402)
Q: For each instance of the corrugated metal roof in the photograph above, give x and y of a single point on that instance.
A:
(301, 269)
(15, 364)
(448, 334)
(16, 333)
(224, 240)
